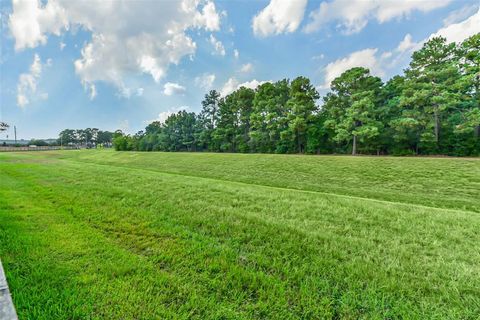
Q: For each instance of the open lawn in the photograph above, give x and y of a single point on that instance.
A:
(125, 235)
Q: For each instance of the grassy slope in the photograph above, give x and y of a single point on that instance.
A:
(435, 182)
(79, 239)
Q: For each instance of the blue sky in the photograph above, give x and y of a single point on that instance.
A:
(120, 64)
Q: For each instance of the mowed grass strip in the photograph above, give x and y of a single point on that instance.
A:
(435, 182)
(82, 240)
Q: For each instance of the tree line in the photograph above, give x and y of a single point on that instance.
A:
(88, 136)
(433, 108)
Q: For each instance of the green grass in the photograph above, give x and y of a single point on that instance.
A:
(111, 235)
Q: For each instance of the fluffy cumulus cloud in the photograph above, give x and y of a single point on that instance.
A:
(364, 58)
(351, 16)
(407, 43)
(233, 84)
(218, 47)
(27, 83)
(30, 23)
(459, 31)
(171, 88)
(136, 38)
(380, 63)
(205, 81)
(163, 116)
(279, 16)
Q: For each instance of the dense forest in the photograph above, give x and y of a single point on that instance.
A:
(434, 108)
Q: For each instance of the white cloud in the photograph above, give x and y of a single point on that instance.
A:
(363, 58)
(252, 84)
(380, 63)
(457, 32)
(36, 67)
(236, 54)
(407, 44)
(27, 83)
(135, 37)
(460, 14)
(171, 88)
(246, 68)
(29, 23)
(208, 18)
(163, 116)
(229, 86)
(353, 15)
(62, 46)
(279, 16)
(217, 45)
(233, 84)
(205, 81)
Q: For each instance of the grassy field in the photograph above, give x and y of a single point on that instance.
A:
(112, 235)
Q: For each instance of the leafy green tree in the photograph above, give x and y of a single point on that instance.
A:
(351, 107)
(209, 118)
(67, 136)
(120, 142)
(104, 137)
(469, 83)
(178, 133)
(269, 116)
(301, 105)
(318, 136)
(430, 91)
(244, 100)
(388, 111)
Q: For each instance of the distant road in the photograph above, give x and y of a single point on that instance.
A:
(42, 148)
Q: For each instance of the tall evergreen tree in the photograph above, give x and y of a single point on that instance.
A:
(209, 117)
(302, 106)
(430, 90)
(351, 107)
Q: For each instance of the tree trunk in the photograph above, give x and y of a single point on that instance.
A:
(298, 142)
(437, 124)
(354, 149)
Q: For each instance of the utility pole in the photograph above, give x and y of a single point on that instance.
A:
(15, 132)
